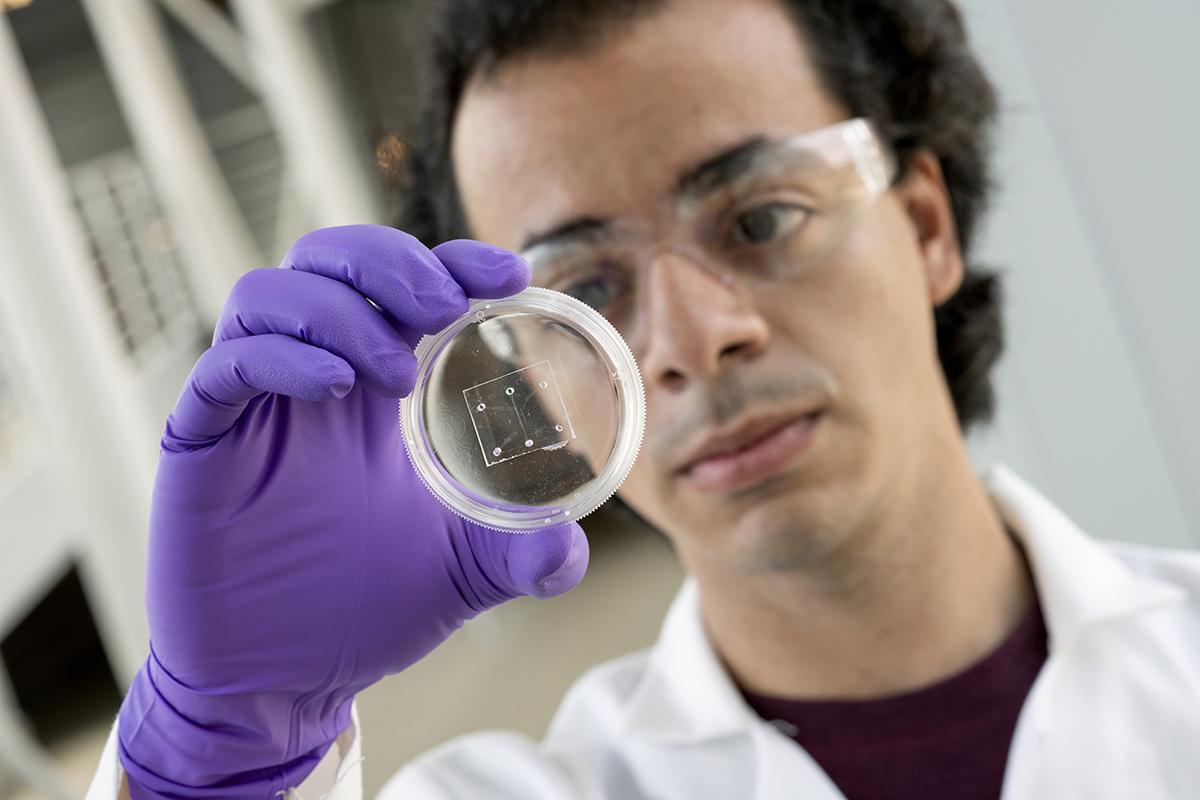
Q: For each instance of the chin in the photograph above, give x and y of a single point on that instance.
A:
(791, 533)
(782, 526)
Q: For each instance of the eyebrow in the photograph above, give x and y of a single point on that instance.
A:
(723, 168)
(705, 177)
(578, 229)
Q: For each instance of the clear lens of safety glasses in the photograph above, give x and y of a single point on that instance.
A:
(527, 411)
(772, 213)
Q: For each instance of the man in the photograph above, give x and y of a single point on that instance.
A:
(772, 200)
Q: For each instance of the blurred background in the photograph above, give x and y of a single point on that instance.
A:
(151, 150)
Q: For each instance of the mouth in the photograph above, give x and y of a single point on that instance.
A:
(751, 452)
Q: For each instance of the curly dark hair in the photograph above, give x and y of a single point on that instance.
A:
(904, 64)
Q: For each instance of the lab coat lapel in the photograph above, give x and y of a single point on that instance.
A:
(1068, 743)
(1099, 724)
(685, 694)
(785, 771)
(687, 712)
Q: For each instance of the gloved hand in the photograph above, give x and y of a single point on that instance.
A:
(295, 558)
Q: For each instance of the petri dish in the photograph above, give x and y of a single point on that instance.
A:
(527, 411)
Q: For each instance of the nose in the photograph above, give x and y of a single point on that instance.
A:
(695, 323)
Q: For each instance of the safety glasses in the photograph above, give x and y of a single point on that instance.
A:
(772, 212)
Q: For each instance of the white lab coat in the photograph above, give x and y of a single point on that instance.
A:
(1114, 713)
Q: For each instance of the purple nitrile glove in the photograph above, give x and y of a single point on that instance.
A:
(295, 557)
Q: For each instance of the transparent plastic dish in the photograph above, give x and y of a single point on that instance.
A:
(527, 411)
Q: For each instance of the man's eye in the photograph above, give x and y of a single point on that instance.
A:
(769, 221)
(597, 291)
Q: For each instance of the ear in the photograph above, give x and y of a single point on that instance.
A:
(925, 198)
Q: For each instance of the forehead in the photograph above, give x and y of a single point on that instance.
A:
(608, 131)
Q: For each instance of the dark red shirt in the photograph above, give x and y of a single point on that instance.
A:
(948, 740)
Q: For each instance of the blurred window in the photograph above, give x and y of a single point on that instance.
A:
(139, 259)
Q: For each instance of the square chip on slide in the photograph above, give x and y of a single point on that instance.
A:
(518, 413)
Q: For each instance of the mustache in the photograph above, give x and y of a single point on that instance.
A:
(732, 396)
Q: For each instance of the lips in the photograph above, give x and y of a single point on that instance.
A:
(750, 453)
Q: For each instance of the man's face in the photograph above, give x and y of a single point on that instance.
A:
(819, 394)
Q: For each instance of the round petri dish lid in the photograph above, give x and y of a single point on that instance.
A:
(527, 411)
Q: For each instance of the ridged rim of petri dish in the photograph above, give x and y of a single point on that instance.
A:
(630, 426)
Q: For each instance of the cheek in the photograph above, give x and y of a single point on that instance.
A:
(645, 491)
(865, 318)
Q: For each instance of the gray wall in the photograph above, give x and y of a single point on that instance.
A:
(1095, 225)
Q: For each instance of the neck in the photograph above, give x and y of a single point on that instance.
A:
(923, 591)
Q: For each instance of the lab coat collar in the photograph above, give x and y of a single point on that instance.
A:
(686, 695)
(1080, 582)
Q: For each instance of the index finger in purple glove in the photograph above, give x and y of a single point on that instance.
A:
(390, 267)
(483, 270)
(324, 313)
(230, 374)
